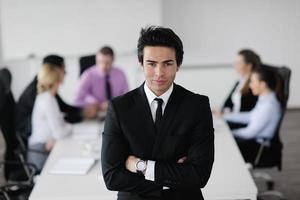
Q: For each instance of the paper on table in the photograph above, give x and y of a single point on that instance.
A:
(83, 131)
(75, 166)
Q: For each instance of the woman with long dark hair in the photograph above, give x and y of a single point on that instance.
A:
(241, 97)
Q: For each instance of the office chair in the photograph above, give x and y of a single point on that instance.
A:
(18, 173)
(18, 190)
(86, 62)
(271, 156)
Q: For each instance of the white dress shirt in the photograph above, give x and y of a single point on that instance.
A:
(47, 120)
(261, 121)
(150, 174)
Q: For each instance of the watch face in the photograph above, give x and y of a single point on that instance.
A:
(141, 165)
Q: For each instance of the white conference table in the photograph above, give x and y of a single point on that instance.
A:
(230, 178)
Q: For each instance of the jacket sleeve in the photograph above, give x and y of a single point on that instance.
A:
(73, 114)
(195, 172)
(115, 150)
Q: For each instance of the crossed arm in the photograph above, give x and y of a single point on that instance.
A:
(190, 172)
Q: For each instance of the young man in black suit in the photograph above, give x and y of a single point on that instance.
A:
(158, 140)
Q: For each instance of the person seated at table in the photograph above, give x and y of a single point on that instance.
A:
(48, 124)
(24, 107)
(101, 82)
(241, 98)
(263, 119)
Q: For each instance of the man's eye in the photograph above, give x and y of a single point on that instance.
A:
(151, 64)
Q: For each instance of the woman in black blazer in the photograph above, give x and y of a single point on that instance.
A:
(241, 98)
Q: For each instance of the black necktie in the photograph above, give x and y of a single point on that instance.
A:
(158, 115)
(107, 87)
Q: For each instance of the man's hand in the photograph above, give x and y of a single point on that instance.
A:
(90, 111)
(104, 106)
(130, 163)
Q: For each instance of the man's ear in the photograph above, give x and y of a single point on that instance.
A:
(141, 65)
(177, 68)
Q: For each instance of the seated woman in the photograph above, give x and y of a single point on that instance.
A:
(241, 98)
(263, 120)
(48, 124)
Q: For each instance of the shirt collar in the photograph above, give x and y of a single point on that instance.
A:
(267, 96)
(151, 96)
(101, 73)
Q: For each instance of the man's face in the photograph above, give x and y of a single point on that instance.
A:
(159, 67)
(104, 62)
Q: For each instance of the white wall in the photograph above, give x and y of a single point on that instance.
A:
(213, 31)
(73, 27)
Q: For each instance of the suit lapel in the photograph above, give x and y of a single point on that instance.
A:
(143, 105)
(168, 117)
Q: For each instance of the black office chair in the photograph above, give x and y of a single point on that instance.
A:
(18, 174)
(86, 62)
(271, 156)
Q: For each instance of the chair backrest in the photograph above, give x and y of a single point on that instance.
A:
(7, 116)
(86, 62)
(283, 76)
(7, 106)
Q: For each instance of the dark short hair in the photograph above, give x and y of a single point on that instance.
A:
(268, 76)
(107, 50)
(272, 80)
(250, 57)
(159, 36)
(54, 60)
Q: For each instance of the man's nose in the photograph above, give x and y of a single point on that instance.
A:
(159, 70)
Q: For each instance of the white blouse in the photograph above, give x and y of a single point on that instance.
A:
(236, 96)
(47, 120)
(261, 121)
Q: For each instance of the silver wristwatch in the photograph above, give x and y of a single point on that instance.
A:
(141, 166)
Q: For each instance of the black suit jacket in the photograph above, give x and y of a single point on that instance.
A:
(25, 106)
(186, 130)
(248, 100)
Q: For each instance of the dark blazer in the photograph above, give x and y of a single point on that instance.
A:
(25, 106)
(248, 100)
(186, 130)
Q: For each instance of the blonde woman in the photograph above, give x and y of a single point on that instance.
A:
(48, 124)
